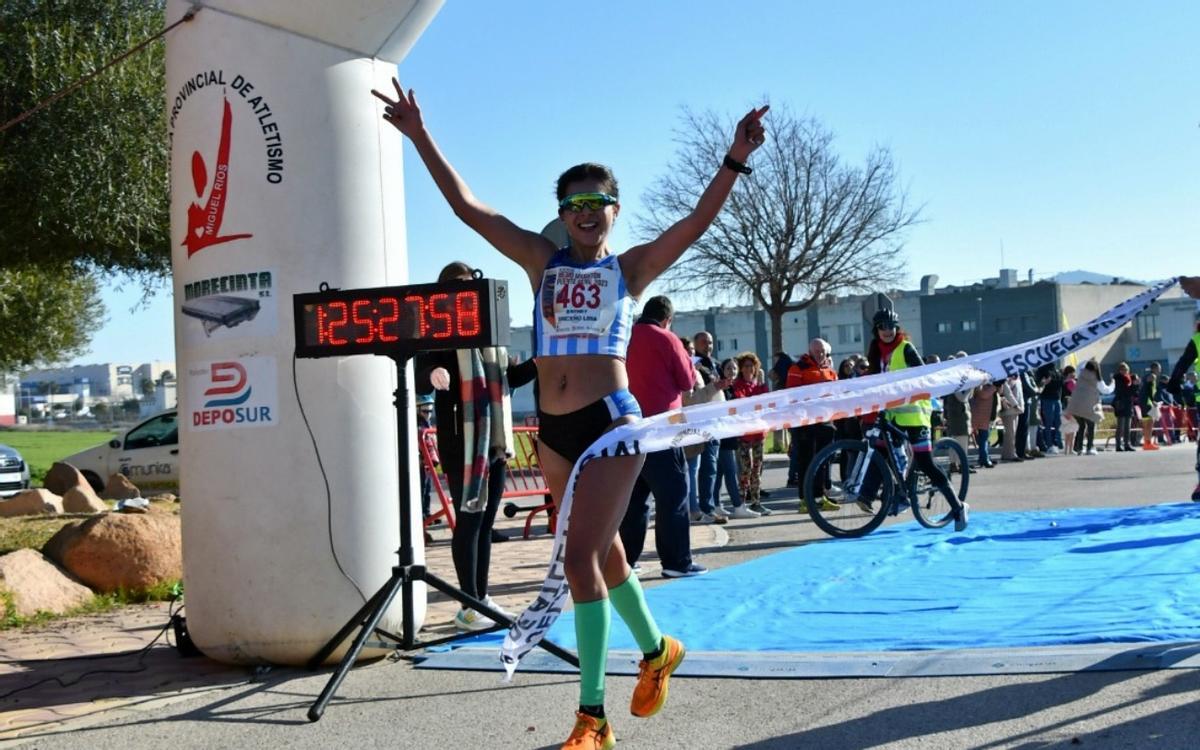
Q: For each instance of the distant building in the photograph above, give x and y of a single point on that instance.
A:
(990, 314)
(8, 400)
(62, 388)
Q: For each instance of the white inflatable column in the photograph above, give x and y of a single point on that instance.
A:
(282, 178)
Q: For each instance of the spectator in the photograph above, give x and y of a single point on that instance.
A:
(810, 368)
(706, 474)
(1029, 418)
(1123, 398)
(1189, 360)
(474, 446)
(958, 419)
(727, 460)
(983, 410)
(1150, 399)
(700, 501)
(660, 372)
(1085, 406)
(1050, 400)
(1012, 406)
(750, 447)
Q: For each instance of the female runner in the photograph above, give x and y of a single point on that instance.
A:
(585, 296)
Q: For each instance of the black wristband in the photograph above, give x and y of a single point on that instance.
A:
(736, 165)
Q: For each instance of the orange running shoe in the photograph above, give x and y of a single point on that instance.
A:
(650, 693)
(590, 733)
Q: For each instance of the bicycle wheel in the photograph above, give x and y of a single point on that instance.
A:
(852, 513)
(930, 506)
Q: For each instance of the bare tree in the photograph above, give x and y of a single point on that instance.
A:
(802, 226)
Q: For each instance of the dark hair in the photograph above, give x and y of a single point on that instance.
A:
(685, 341)
(845, 369)
(658, 309)
(587, 171)
(454, 270)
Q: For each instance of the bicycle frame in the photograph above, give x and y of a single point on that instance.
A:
(880, 432)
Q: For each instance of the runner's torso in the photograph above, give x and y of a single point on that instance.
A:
(583, 317)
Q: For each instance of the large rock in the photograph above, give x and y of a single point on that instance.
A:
(83, 499)
(63, 477)
(32, 503)
(120, 488)
(117, 551)
(38, 585)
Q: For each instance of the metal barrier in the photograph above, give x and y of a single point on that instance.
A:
(523, 479)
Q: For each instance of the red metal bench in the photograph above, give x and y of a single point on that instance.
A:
(523, 479)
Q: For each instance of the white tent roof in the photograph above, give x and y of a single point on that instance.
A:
(386, 29)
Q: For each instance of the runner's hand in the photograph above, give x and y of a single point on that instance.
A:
(439, 377)
(749, 134)
(403, 113)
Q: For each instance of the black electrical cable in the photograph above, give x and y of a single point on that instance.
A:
(189, 15)
(141, 654)
(325, 479)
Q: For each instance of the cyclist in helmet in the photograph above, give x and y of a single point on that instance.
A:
(891, 350)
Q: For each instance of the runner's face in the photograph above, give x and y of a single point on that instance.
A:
(588, 228)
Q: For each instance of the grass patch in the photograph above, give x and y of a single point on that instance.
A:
(99, 604)
(42, 449)
(32, 532)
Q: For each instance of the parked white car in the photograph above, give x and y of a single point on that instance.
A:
(148, 454)
(14, 472)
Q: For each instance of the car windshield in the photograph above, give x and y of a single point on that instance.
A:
(161, 430)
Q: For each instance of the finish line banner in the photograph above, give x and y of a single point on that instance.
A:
(797, 407)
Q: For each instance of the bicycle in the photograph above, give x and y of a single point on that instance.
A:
(851, 514)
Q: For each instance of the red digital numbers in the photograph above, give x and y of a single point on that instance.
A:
(436, 316)
(440, 316)
(326, 324)
(391, 320)
(466, 313)
(367, 336)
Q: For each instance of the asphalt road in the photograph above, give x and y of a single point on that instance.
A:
(390, 704)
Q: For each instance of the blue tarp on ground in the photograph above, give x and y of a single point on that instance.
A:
(1039, 578)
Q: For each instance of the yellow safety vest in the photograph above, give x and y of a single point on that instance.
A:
(1196, 365)
(917, 413)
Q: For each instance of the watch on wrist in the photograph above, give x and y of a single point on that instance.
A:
(736, 165)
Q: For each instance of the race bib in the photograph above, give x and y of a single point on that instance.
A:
(579, 302)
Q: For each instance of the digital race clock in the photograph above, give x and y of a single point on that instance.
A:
(402, 320)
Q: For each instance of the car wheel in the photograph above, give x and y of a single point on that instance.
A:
(94, 480)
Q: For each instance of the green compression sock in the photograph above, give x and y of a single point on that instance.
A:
(592, 620)
(630, 604)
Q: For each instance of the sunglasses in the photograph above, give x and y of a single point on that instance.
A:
(586, 202)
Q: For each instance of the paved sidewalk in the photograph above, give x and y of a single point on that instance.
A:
(185, 703)
(79, 671)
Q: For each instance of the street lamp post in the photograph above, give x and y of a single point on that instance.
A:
(979, 324)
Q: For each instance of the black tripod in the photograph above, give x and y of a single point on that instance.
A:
(404, 575)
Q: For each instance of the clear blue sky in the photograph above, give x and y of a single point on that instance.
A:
(1065, 132)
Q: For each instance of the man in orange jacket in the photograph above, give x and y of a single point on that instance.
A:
(813, 367)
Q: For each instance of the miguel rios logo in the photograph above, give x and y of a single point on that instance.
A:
(211, 177)
(204, 221)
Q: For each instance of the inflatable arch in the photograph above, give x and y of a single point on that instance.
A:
(282, 178)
